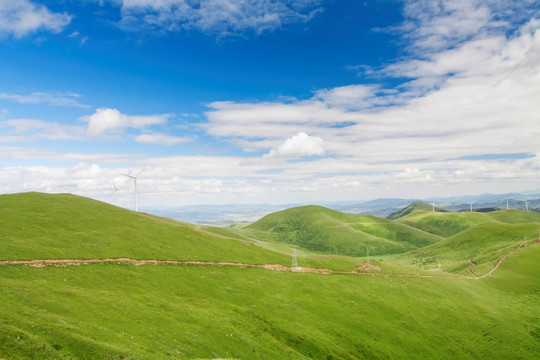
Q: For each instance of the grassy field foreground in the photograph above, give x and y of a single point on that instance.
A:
(161, 312)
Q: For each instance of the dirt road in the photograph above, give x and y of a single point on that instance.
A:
(365, 269)
(39, 263)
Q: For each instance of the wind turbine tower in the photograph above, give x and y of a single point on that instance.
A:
(526, 205)
(507, 205)
(471, 205)
(115, 193)
(136, 188)
(434, 206)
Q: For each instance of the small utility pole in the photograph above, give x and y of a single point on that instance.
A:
(367, 255)
(294, 261)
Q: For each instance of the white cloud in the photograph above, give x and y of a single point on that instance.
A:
(106, 119)
(226, 179)
(77, 35)
(351, 97)
(17, 130)
(162, 139)
(50, 98)
(441, 24)
(22, 17)
(221, 17)
(299, 145)
(474, 90)
(390, 143)
(486, 102)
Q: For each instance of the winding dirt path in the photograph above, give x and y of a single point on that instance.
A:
(366, 223)
(39, 263)
(469, 270)
(365, 269)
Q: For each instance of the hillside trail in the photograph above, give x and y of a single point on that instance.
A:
(471, 264)
(365, 269)
(365, 223)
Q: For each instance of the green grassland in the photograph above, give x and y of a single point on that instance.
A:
(477, 245)
(444, 224)
(415, 206)
(319, 229)
(475, 240)
(188, 312)
(121, 311)
(44, 226)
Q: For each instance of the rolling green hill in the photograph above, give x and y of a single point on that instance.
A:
(444, 224)
(415, 206)
(478, 248)
(45, 226)
(120, 311)
(320, 229)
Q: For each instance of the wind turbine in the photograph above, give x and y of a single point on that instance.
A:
(506, 204)
(115, 192)
(471, 205)
(136, 188)
(434, 206)
(526, 205)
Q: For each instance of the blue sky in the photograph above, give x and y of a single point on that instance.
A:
(232, 101)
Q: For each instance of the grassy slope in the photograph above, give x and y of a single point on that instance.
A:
(162, 312)
(480, 238)
(444, 224)
(44, 226)
(320, 229)
(415, 206)
(515, 216)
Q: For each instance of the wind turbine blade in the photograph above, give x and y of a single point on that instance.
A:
(140, 172)
(129, 176)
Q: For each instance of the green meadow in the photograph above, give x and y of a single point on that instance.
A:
(44, 226)
(121, 311)
(319, 229)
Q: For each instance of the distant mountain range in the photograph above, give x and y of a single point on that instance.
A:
(228, 214)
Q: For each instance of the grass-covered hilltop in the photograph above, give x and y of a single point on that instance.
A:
(81, 279)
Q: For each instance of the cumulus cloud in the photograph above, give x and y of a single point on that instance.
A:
(220, 17)
(106, 119)
(22, 17)
(485, 102)
(299, 145)
(473, 91)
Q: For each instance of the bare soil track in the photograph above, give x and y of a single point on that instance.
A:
(365, 269)
(469, 270)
